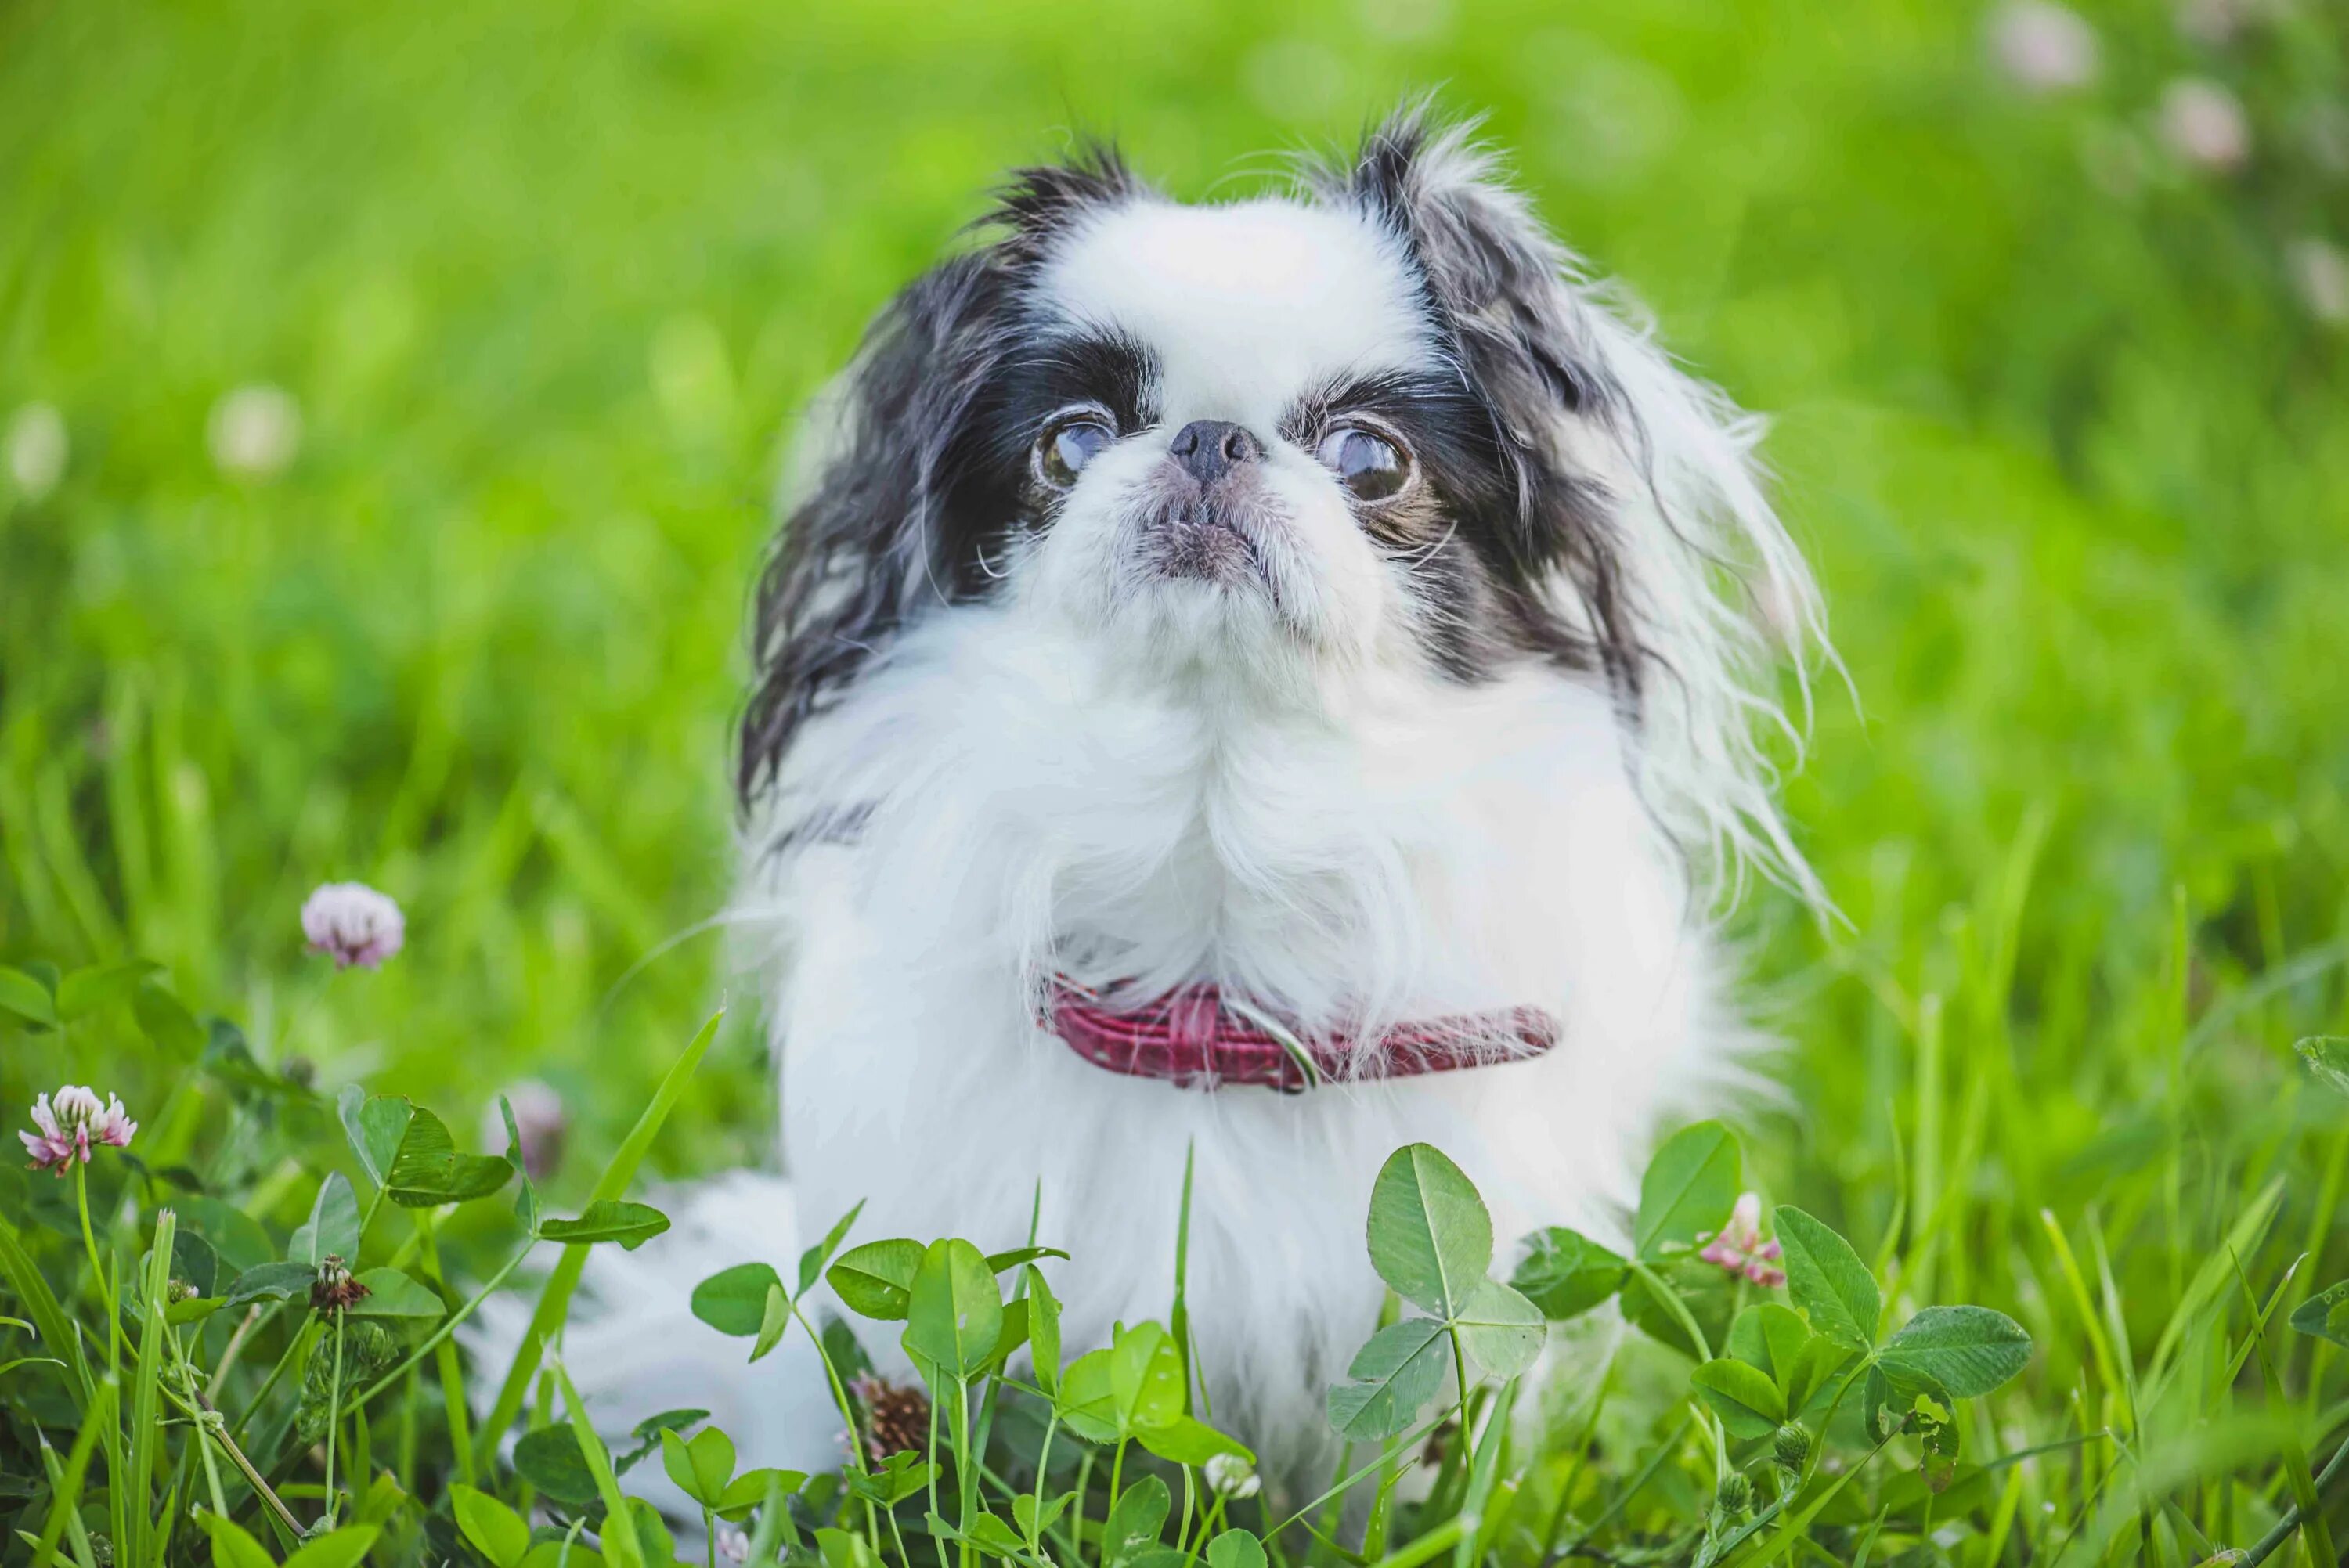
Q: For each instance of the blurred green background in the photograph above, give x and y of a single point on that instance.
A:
(393, 395)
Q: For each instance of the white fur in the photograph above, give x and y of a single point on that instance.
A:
(1427, 851)
(1247, 302)
(1117, 776)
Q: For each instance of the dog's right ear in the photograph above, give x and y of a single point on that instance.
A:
(900, 505)
(859, 550)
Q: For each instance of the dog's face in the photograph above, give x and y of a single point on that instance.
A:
(1374, 421)
(1222, 413)
(1245, 446)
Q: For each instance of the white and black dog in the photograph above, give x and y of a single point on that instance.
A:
(1276, 679)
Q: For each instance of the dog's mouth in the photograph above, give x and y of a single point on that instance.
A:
(1218, 558)
(1205, 542)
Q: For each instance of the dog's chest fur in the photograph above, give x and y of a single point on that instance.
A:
(1382, 847)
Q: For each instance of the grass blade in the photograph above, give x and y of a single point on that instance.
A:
(451, 1375)
(554, 1299)
(65, 1489)
(2209, 1282)
(2316, 1534)
(621, 1548)
(49, 1320)
(1178, 1319)
(146, 1398)
(1484, 1469)
(2077, 1285)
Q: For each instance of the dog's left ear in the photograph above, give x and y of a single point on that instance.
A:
(1641, 524)
(1493, 280)
(1492, 269)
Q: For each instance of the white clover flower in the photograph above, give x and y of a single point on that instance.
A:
(66, 1127)
(1229, 1475)
(2204, 124)
(353, 922)
(733, 1545)
(37, 446)
(2320, 272)
(254, 431)
(79, 1103)
(2041, 46)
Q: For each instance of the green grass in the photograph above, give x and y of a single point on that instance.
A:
(548, 283)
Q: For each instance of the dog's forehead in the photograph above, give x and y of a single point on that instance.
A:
(1244, 305)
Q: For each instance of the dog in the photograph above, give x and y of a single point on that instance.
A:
(1243, 686)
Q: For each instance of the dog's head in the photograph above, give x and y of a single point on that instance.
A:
(1374, 423)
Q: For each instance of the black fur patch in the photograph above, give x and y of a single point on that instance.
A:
(1491, 284)
(934, 468)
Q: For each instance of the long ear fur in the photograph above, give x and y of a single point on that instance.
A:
(1681, 579)
(857, 554)
(895, 508)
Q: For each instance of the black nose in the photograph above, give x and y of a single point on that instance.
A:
(1210, 449)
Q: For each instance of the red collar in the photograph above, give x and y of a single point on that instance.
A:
(1194, 1039)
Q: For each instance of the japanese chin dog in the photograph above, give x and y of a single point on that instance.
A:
(1263, 683)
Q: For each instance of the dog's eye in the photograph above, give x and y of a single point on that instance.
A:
(1069, 446)
(1369, 466)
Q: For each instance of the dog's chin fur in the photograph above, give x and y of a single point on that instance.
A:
(1490, 748)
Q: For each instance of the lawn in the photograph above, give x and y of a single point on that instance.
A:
(394, 396)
